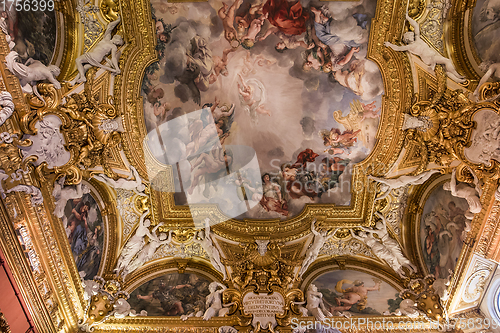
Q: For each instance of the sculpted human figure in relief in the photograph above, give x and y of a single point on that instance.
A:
(390, 243)
(7, 106)
(320, 237)
(492, 71)
(93, 58)
(31, 72)
(380, 250)
(126, 184)
(63, 193)
(148, 251)
(203, 238)
(214, 301)
(389, 184)
(135, 243)
(315, 303)
(415, 45)
(471, 194)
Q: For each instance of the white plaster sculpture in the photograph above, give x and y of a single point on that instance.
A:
(206, 243)
(214, 301)
(111, 125)
(135, 185)
(99, 53)
(320, 237)
(380, 250)
(48, 143)
(315, 303)
(390, 243)
(411, 122)
(302, 310)
(31, 72)
(262, 246)
(63, 193)
(416, 46)
(90, 287)
(407, 307)
(493, 71)
(7, 106)
(471, 194)
(135, 243)
(148, 251)
(36, 194)
(440, 286)
(389, 184)
(192, 314)
(122, 309)
(3, 176)
(5, 30)
(227, 329)
(7, 138)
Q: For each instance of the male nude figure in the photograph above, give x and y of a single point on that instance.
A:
(93, 58)
(415, 45)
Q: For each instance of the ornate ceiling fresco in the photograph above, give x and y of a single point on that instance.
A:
(248, 166)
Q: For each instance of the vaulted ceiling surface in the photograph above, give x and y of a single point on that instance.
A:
(250, 165)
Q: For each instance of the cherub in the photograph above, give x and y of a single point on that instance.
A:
(243, 22)
(415, 45)
(160, 110)
(247, 95)
(336, 65)
(335, 138)
(248, 40)
(221, 111)
(369, 111)
(250, 63)
(290, 42)
(220, 65)
(227, 14)
(164, 6)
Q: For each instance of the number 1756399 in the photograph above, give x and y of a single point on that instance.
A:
(27, 5)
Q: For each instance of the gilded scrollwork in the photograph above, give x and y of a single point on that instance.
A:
(453, 124)
(88, 133)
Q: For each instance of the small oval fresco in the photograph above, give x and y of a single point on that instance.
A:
(171, 294)
(85, 231)
(356, 292)
(442, 231)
